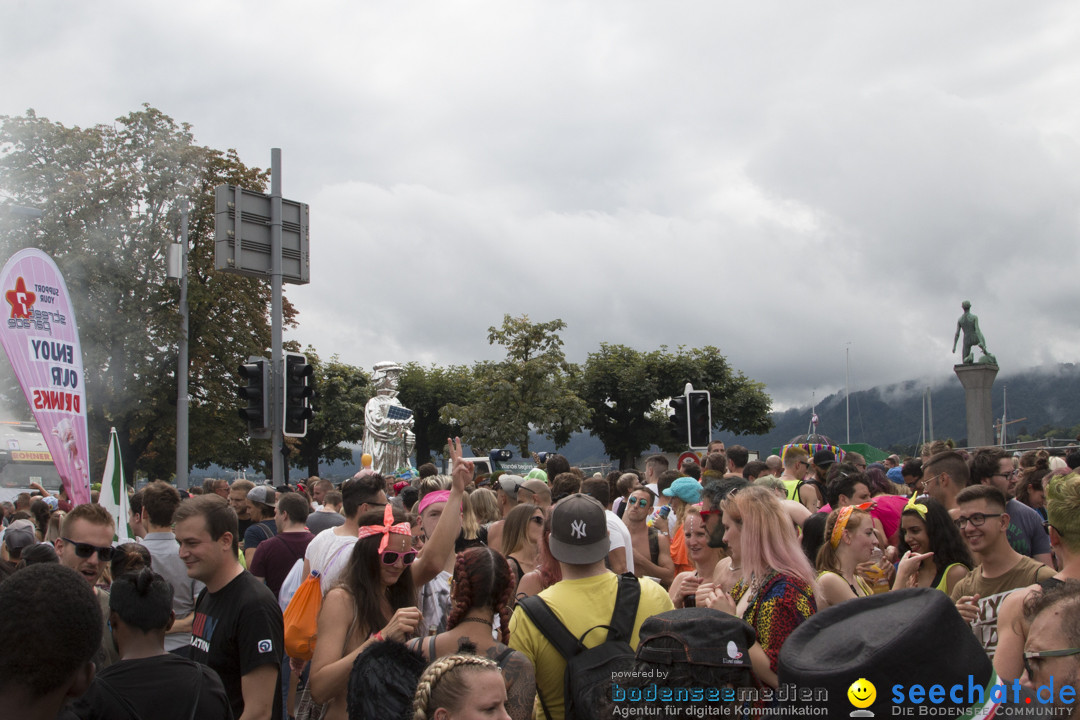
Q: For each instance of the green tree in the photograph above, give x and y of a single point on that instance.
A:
(111, 197)
(426, 391)
(531, 389)
(626, 391)
(341, 392)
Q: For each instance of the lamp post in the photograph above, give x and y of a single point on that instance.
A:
(177, 269)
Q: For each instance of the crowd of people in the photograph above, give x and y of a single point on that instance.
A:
(753, 585)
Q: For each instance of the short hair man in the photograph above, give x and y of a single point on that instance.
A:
(238, 502)
(275, 557)
(160, 501)
(1052, 649)
(714, 446)
(796, 466)
(983, 522)
(140, 614)
(945, 474)
(135, 520)
(848, 489)
(912, 472)
(329, 552)
(238, 629)
(328, 515)
(85, 546)
(737, 457)
(50, 632)
(536, 492)
(583, 599)
(654, 466)
(319, 488)
(652, 549)
(262, 504)
(556, 464)
(755, 469)
(776, 465)
(620, 557)
(624, 486)
(993, 466)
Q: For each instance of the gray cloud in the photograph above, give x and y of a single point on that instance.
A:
(774, 179)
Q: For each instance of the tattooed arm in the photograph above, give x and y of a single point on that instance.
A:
(520, 682)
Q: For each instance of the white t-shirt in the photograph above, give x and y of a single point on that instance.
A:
(329, 554)
(619, 536)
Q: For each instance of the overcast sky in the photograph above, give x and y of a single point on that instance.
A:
(775, 179)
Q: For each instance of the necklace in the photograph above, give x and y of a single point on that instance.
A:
(482, 621)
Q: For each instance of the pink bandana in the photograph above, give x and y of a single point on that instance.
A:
(388, 526)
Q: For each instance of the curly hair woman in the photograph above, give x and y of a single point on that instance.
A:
(462, 686)
(932, 551)
(483, 588)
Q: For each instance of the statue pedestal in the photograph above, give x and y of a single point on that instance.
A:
(977, 381)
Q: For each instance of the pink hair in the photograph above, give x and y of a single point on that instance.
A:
(767, 539)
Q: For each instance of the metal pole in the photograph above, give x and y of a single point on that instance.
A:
(847, 389)
(276, 410)
(182, 361)
(930, 411)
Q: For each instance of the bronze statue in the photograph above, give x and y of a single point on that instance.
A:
(969, 325)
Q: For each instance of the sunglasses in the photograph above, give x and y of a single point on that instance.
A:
(709, 513)
(389, 557)
(85, 550)
(641, 502)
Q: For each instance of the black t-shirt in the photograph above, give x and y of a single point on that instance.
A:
(166, 687)
(236, 630)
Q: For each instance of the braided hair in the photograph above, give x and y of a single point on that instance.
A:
(444, 683)
(482, 579)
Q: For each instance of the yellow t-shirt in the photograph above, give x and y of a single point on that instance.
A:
(579, 605)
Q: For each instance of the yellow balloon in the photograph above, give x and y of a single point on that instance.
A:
(862, 693)
(365, 460)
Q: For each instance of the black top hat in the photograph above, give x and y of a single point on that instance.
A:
(905, 637)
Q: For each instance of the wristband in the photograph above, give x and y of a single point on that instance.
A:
(376, 636)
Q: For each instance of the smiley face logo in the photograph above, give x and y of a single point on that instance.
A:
(862, 693)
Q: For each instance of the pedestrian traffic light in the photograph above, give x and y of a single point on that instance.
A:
(699, 410)
(677, 422)
(298, 394)
(256, 392)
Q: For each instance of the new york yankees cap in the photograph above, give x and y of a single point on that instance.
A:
(579, 534)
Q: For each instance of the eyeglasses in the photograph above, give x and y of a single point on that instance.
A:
(85, 550)
(976, 519)
(928, 483)
(1039, 655)
(389, 557)
(641, 502)
(1047, 526)
(374, 504)
(419, 540)
(537, 519)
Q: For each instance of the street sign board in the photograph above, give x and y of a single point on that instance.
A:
(245, 214)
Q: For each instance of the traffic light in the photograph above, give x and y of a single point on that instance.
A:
(298, 394)
(699, 409)
(256, 391)
(677, 422)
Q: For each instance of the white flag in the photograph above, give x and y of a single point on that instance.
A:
(113, 495)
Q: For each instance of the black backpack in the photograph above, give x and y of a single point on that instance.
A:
(587, 682)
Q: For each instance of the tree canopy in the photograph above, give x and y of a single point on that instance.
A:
(531, 388)
(111, 197)
(626, 391)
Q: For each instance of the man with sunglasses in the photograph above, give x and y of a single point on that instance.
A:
(1052, 650)
(983, 522)
(1063, 525)
(85, 546)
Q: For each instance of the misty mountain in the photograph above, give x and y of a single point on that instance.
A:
(889, 416)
